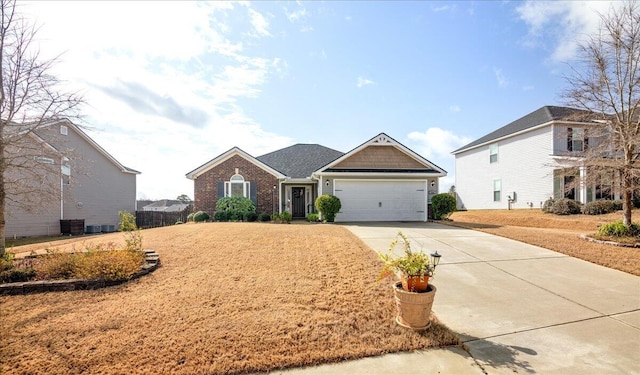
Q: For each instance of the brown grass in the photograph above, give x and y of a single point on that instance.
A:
(554, 232)
(229, 298)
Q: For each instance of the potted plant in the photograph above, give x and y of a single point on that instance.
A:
(413, 294)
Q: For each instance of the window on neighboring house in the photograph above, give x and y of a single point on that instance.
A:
(236, 187)
(604, 187)
(66, 174)
(63, 130)
(497, 187)
(577, 139)
(44, 159)
(493, 153)
(565, 184)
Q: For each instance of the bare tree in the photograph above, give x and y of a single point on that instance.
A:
(30, 100)
(605, 83)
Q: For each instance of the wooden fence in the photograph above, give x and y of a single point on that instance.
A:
(154, 219)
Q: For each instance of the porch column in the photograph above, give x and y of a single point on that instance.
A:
(583, 185)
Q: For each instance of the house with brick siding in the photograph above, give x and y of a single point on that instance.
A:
(379, 180)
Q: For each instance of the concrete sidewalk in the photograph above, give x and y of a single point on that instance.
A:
(518, 308)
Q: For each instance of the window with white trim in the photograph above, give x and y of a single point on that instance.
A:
(493, 153)
(577, 139)
(497, 187)
(236, 187)
(66, 174)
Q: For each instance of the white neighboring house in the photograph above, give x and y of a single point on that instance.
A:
(166, 205)
(521, 164)
(92, 185)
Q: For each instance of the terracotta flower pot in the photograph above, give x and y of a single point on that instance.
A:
(415, 283)
(414, 309)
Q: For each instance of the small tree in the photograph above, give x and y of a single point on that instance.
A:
(184, 198)
(606, 86)
(30, 100)
(443, 205)
(328, 205)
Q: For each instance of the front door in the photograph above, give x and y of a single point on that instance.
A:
(298, 203)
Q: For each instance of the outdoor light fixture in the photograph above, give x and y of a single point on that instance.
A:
(433, 183)
(435, 258)
(327, 182)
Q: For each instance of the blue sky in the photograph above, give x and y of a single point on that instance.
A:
(170, 85)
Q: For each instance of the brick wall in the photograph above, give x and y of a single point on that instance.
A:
(206, 185)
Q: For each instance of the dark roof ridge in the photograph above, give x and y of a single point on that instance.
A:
(538, 117)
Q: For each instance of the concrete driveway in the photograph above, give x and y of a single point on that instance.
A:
(524, 309)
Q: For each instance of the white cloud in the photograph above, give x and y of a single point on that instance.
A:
(297, 15)
(566, 23)
(259, 22)
(500, 77)
(163, 81)
(436, 142)
(455, 108)
(364, 82)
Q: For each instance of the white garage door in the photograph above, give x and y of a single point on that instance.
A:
(381, 200)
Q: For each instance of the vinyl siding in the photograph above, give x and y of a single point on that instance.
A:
(524, 166)
(101, 186)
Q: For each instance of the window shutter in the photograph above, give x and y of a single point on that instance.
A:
(586, 141)
(220, 189)
(569, 139)
(253, 194)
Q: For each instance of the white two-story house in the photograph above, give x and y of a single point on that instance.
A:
(524, 163)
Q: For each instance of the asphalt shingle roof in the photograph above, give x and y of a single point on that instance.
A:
(535, 118)
(300, 160)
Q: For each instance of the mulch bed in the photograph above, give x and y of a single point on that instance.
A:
(229, 298)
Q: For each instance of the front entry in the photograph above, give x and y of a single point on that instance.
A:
(298, 202)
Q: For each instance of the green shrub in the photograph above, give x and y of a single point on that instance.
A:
(190, 216)
(598, 207)
(127, 221)
(179, 222)
(6, 261)
(443, 205)
(264, 217)
(238, 205)
(313, 217)
(17, 275)
(220, 216)
(276, 217)
(200, 216)
(286, 217)
(618, 229)
(251, 217)
(328, 205)
(563, 206)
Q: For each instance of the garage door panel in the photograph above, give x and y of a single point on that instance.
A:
(381, 200)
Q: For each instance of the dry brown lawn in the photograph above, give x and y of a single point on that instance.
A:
(554, 232)
(228, 298)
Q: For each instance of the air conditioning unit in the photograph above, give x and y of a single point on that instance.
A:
(91, 229)
(108, 228)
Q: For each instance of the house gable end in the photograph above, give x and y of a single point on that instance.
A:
(382, 154)
(234, 152)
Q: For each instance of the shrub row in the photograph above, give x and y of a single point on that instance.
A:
(565, 206)
(235, 216)
(601, 207)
